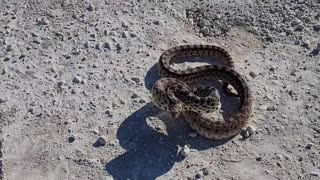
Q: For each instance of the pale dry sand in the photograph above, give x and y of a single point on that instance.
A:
(72, 71)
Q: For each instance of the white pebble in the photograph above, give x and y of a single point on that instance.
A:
(246, 134)
(185, 151)
(315, 173)
(95, 131)
(251, 129)
(253, 74)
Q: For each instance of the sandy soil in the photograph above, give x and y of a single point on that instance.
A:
(75, 74)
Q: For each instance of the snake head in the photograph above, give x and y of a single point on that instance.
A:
(175, 109)
(175, 106)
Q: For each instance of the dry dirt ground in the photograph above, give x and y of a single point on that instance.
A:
(73, 71)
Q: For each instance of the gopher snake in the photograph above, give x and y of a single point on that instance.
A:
(172, 93)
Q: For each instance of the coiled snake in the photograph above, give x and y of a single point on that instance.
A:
(172, 92)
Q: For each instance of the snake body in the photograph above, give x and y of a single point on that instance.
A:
(172, 92)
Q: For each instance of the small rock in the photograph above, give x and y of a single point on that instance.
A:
(217, 16)
(318, 46)
(272, 68)
(289, 31)
(185, 151)
(270, 38)
(142, 101)
(107, 45)
(299, 27)
(297, 42)
(114, 143)
(60, 34)
(315, 173)
(251, 129)
(125, 25)
(71, 139)
(33, 34)
(280, 157)
(253, 74)
(22, 56)
(93, 36)
(95, 131)
(6, 59)
(300, 158)
(42, 21)
(74, 91)
(133, 35)
(86, 45)
(295, 22)
(259, 158)
(205, 171)
(309, 145)
(135, 79)
(307, 44)
(98, 86)
(279, 164)
(118, 47)
(97, 46)
(108, 111)
(271, 108)
(193, 134)
(198, 175)
(205, 31)
(134, 95)
(2, 101)
(37, 41)
(77, 79)
(102, 140)
(124, 34)
(106, 32)
(90, 8)
(156, 22)
(316, 27)
(317, 16)
(245, 134)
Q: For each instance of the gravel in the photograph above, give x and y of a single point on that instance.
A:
(266, 19)
(110, 48)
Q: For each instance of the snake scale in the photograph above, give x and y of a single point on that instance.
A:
(172, 92)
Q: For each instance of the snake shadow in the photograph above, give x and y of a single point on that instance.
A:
(151, 77)
(150, 153)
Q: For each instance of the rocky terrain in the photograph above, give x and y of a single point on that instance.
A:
(76, 79)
